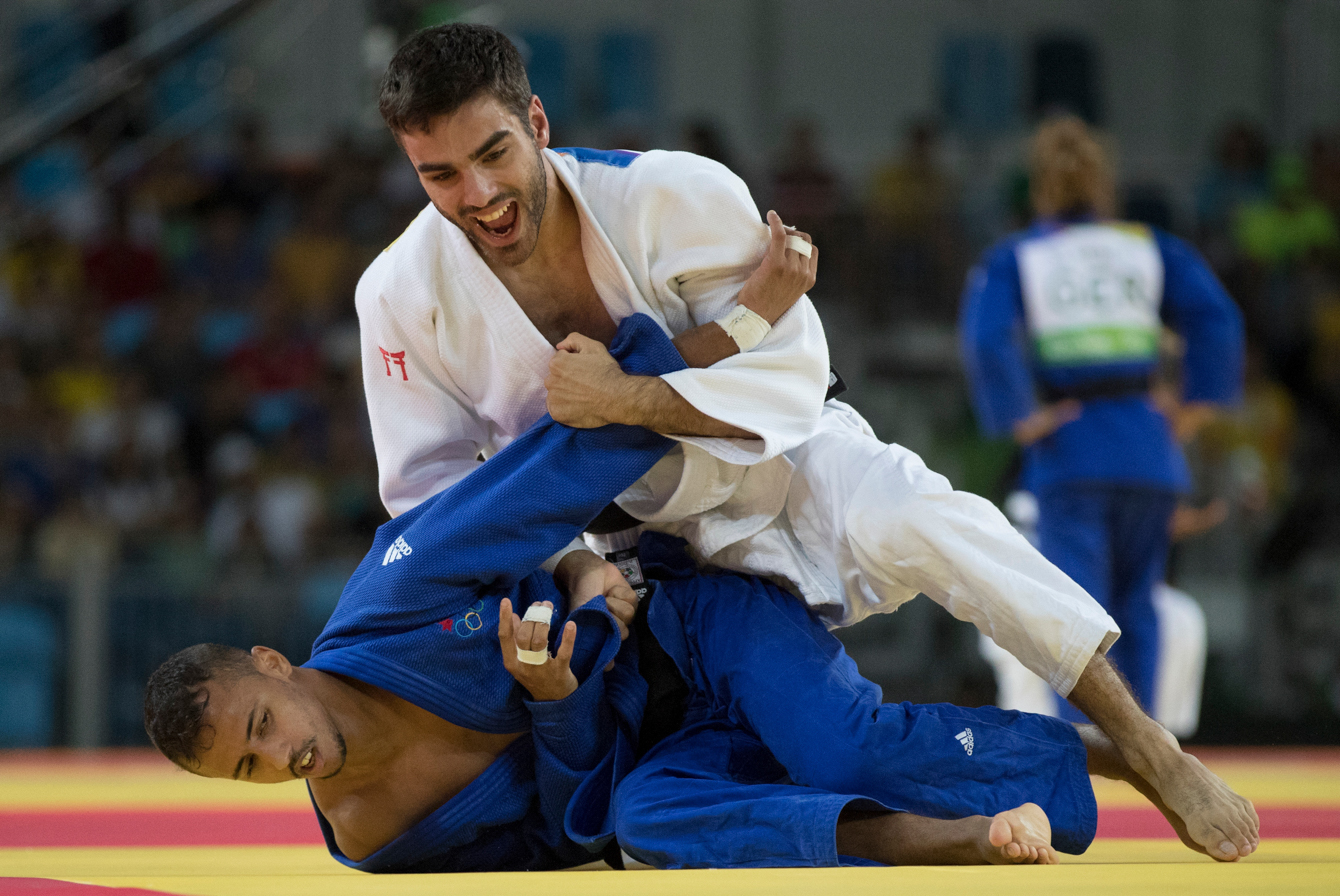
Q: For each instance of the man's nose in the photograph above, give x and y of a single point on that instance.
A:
(277, 755)
(479, 188)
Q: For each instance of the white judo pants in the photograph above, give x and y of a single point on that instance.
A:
(1181, 669)
(867, 527)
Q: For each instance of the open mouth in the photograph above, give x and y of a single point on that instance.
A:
(499, 224)
(309, 762)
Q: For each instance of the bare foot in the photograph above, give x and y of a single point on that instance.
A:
(1021, 836)
(1213, 819)
(1207, 816)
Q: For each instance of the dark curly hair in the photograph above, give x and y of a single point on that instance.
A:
(440, 69)
(176, 697)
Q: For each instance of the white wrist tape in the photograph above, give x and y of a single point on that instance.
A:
(745, 327)
(543, 615)
(799, 245)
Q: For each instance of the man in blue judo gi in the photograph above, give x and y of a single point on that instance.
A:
(426, 747)
(1060, 333)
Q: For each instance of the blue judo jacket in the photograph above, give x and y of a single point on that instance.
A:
(1119, 438)
(419, 619)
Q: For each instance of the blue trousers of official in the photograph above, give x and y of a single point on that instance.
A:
(782, 733)
(1113, 541)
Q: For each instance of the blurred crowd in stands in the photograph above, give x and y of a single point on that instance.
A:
(179, 371)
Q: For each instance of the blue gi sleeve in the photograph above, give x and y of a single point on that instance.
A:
(502, 521)
(1196, 305)
(573, 735)
(993, 340)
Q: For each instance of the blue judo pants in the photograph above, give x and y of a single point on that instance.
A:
(1113, 541)
(782, 733)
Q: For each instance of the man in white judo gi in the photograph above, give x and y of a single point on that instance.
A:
(524, 249)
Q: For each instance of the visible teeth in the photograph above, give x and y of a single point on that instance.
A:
(307, 760)
(496, 215)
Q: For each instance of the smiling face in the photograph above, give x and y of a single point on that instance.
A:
(266, 728)
(484, 172)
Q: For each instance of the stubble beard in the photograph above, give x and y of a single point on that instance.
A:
(531, 203)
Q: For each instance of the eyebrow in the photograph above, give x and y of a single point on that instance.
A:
(494, 139)
(251, 718)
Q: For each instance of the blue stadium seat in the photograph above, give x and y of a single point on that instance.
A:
(29, 658)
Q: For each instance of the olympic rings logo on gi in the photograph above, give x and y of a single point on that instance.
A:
(465, 624)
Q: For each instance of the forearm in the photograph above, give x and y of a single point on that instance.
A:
(705, 345)
(651, 403)
(1103, 696)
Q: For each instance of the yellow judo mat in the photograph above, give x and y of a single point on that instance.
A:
(75, 824)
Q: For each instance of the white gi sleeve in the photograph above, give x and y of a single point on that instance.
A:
(425, 434)
(708, 238)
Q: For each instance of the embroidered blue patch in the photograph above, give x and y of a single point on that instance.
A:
(617, 158)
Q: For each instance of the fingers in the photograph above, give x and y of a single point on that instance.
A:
(534, 635)
(812, 265)
(621, 601)
(505, 634)
(777, 238)
(576, 343)
(566, 644)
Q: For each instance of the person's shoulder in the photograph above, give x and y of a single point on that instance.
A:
(1003, 250)
(654, 170)
(1173, 249)
(407, 259)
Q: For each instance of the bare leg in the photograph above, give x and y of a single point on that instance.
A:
(1020, 836)
(1211, 818)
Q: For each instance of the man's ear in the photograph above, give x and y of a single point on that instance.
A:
(271, 662)
(539, 123)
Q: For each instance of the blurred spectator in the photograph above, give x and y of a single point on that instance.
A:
(278, 368)
(1291, 225)
(249, 178)
(914, 227)
(1237, 176)
(805, 189)
(1246, 454)
(274, 508)
(228, 266)
(913, 194)
(81, 382)
(41, 263)
(316, 263)
(118, 270)
(703, 137)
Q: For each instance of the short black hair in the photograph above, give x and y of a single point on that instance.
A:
(440, 69)
(176, 697)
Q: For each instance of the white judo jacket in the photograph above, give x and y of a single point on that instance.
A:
(453, 369)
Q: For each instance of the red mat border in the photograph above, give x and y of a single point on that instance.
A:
(298, 827)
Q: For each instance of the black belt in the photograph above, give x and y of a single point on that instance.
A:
(1111, 387)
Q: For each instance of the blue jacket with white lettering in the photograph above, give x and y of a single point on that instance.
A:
(1121, 439)
(419, 617)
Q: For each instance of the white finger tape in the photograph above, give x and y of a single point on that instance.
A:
(799, 245)
(532, 657)
(538, 613)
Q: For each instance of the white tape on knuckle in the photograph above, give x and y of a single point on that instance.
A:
(799, 245)
(532, 657)
(538, 613)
